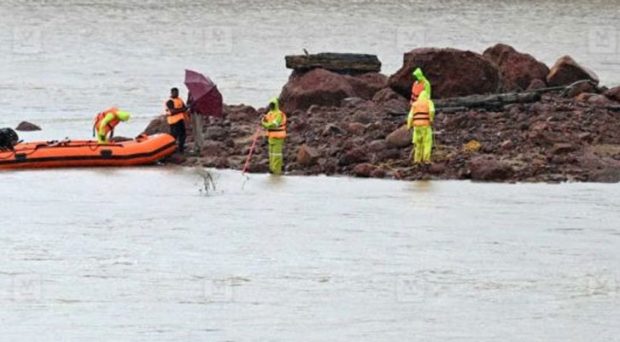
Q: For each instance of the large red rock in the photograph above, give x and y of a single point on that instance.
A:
(517, 70)
(566, 71)
(326, 88)
(451, 72)
(316, 87)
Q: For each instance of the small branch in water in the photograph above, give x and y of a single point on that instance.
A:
(207, 178)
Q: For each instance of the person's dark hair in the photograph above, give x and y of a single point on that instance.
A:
(174, 89)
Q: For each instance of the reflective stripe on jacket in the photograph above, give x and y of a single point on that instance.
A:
(277, 129)
(421, 113)
(275, 121)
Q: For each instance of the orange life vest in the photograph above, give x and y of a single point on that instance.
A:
(109, 128)
(416, 89)
(278, 132)
(421, 113)
(174, 118)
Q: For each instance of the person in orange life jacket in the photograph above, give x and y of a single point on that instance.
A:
(103, 127)
(176, 113)
(421, 118)
(274, 123)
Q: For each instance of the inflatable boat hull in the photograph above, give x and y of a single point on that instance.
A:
(87, 153)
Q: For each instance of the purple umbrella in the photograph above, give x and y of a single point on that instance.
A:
(206, 98)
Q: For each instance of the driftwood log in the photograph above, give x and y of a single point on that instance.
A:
(490, 102)
(348, 63)
(498, 101)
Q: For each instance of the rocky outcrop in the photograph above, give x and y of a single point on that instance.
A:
(451, 72)
(550, 140)
(566, 71)
(26, 126)
(518, 70)
(326, 88)
(554, 137)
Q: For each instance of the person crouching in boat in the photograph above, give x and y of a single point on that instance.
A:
(176, 114)
(103, 128)
(274, 123)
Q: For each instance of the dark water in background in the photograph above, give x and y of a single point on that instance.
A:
(141, 254)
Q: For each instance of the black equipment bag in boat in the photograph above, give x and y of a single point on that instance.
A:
(8, 138)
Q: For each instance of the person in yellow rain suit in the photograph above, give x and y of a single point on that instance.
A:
(421, 117)
(274, 123)
(103, 128)
(420, 84)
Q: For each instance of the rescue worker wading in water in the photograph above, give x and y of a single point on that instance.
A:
(103, 127)
(176, 114)
(274, 123)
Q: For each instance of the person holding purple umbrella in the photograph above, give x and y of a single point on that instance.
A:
(204, 100)
(197, 125)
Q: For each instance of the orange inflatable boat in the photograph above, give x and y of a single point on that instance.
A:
(87, 153)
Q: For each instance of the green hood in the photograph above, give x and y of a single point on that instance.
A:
(418, 74)
(276, 104)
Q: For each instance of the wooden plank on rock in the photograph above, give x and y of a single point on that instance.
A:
(338, 62)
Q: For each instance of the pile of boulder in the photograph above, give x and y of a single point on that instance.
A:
(351, 123)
